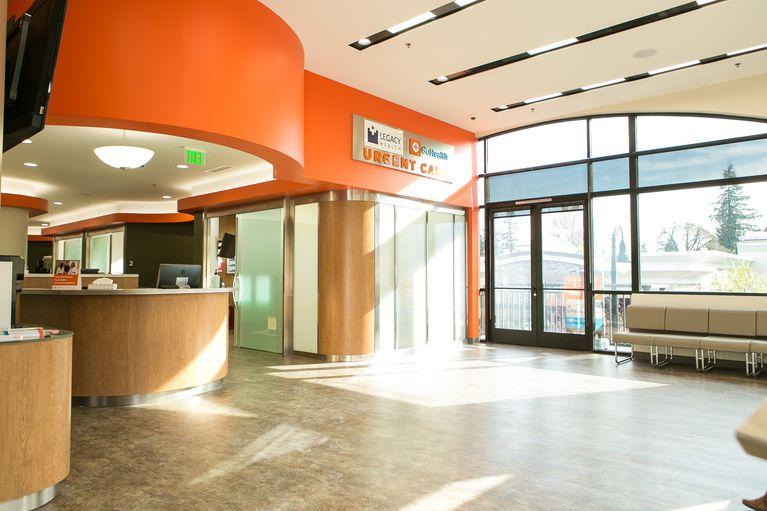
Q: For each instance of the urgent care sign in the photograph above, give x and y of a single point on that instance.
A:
(393, 148)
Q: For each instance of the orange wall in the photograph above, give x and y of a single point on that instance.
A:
(328, 143)
(169, 66)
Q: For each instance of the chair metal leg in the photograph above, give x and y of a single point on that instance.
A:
(754, 364)
(623, 360)
(705, 360)
(656, 361)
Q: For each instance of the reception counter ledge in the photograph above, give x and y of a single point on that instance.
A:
(35, 413)
(135, 346)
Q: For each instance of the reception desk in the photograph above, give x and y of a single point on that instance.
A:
(35, 413)
(44, 280)
(135, 346)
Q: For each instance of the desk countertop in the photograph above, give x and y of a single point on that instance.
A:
(123, 292)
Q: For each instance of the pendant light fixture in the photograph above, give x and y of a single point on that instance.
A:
(124, 156)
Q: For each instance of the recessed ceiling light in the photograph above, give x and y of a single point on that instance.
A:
(182, 166)
(603, 84)
(463, 3)
(27, 141)
(502, 107)
(553, 46)
(57, 203)
(442, 79)
(415, 20)
(167, 197)
(543, 98)
(646, 53)
(45, 225)
(30, 164)
(704, 2)
(364, 41)
(746, 50)
(674, 67)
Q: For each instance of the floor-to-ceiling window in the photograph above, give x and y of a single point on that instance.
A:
(675, 204)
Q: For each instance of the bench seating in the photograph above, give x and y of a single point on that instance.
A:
(705, 330)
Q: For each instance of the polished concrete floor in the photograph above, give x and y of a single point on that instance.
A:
(483, 427)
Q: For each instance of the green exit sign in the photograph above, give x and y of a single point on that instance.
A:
(194, 157)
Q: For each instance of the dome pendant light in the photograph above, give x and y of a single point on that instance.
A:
(124, 156)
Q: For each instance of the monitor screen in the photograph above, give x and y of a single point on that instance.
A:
(32, 46)
(172, 276)
(226, 250)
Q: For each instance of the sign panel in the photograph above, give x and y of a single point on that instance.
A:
(67, 275)
(393, 148)
(194, 156)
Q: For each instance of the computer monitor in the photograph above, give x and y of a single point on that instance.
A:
(172, 276)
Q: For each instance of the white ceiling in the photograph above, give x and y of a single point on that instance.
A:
(69, 172)
(499, 28)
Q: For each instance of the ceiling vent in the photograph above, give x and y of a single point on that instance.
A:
(216, 170)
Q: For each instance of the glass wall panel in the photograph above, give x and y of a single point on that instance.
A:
(541, 145)
(385, 284)
(608, 136)
(608, 175)
(305, 282)
(70, 249)
(512, 270)
(658, 131)
(564, 312)
(117, 257)
(482, 246)
(609, 318)
(440, 273)
(567, 180)
(704, 239)
(411, 277)
(98, 252)
(259, 285)
(704, 164)
(459, 273)
(611, 239)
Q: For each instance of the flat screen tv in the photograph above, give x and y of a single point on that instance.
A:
(227, 247)
(32, 46)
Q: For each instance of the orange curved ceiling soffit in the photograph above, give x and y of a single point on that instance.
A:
(34, 205)
(116, 219)
(230, 73)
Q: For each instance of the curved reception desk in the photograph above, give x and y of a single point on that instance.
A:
(35, 413)
(135, 346)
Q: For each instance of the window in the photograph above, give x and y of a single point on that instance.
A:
(709, 239)
(69, 249)
(608, 136)
(556, 181)
(541, 145)
(105, 252)
(610, 175)
(658, 131)
(611, 239)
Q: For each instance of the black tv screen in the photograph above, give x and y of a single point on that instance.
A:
(32, 46)
(226, 249)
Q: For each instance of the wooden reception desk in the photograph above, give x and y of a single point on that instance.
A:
(35, 412)
(136, 346)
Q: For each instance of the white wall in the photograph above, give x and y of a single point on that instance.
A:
(305, 284)
(13, 231)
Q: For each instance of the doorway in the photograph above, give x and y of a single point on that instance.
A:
(538, 268)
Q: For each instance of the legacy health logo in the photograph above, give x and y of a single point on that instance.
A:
(380, 136)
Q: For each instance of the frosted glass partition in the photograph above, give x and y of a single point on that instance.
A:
(117, 255)
(385, 284)
(460, 283)
(98, 252)
(71, 249)
(305, 271)
(259, 281)
(440, 274)
(410, 254)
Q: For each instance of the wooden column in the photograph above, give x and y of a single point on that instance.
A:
(346, 302)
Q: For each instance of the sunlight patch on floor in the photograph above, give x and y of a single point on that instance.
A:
(279, 441)
(455, 383)
(200, 405)
(456, 494)
(713, 506)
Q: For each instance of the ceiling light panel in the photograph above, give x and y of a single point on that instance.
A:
(566, 43)
(414, 22)
(633, 78)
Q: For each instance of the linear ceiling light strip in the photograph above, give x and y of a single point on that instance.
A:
(566, 43)
(414, 22)
(633, 78)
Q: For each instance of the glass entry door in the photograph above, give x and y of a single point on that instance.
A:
(538, 274)
(258, 285)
